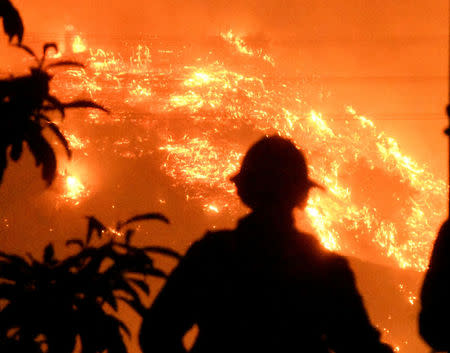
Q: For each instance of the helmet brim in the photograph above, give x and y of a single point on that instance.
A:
(309, 183)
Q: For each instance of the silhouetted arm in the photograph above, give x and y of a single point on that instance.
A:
(434, 319)
(350, 329)
(172, 312)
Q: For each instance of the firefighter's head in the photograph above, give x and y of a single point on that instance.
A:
(273, 174)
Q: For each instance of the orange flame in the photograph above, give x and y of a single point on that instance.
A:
(348, 155)
(78, 45)
(74, 190)
(242, 47)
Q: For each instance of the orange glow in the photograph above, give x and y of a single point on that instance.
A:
(348, 154)
(78, 45)
(74, 185)
(75, 190)
(212, 208)
(242, 47)
(76, 142)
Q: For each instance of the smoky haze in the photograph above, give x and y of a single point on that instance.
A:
(351, 19)
(388, 58)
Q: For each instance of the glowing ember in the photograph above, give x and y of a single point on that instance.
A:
(212, 208)
(114, 232)
(74, 190)
(195, 159)
(76, 142)
(138, 92)
(78, 45)
(242, 47)
(412, 299)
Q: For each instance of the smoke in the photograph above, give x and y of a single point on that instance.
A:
(353, 19)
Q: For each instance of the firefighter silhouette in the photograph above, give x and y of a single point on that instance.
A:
(264, 286)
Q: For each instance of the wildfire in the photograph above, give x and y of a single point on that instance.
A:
(76, 142)
(78, 45)
(204, 162)
(365, 172)
(198, 115)
(138, 92)
(74, 190)
(195, 159)
(243, 48)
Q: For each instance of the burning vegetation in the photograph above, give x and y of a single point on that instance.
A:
(380, 204)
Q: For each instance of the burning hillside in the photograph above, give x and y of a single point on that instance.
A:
(380, 204)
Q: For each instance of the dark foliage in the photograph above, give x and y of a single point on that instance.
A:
(12, 23)
(25, 102)
(46, 304)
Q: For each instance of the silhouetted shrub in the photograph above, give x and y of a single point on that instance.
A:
(46, 304)
(25, 102)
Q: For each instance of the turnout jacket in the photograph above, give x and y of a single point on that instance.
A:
(263, 287)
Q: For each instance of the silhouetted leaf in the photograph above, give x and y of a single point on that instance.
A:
(16, 150)
(49, 253)
(76, 261)
(64, 63)
(135, 304)
(128, 235)
(28, 50)
(48, 46)
(141, 284)
(122, 326)
(162, 250)
(75, 296)
(94, 225)
(57, 104)
(14, 258)
(24, 98)
(155, 272)
(60, 137)
(134, 259)
(92, 268)
(146, 216)
(114, 322)
(12, 22)
(84, 104)
(49, 165)
(122, 284)
(43, 154)
(109, 297)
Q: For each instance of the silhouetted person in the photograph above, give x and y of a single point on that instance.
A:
(434, 319)
(263, 287)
